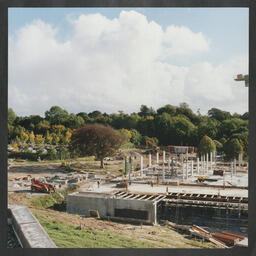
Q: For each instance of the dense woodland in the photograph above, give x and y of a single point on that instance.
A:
(168, 125)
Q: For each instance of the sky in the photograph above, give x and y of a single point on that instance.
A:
(112, 59)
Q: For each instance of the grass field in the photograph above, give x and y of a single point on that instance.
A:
(70, 236)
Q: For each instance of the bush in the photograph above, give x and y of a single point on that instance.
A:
(26, 155)
(52, 154)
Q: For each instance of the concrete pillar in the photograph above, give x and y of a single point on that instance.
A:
(234, 166)
(207, 163)
(163, 156)
(240, 159)
(201, 167)
(187, 155)
(149, 160)
(157, 157)
(187, 170)
(155, 214)
(126, 166)
(141, 165)
(197, 165)
(231, 169)
(192, 168)
(163, 174)
(172, 166)
(169, 164)
(183, 170)
(211, 161)
(203, 164)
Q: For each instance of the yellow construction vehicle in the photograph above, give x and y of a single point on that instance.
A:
(201, 178)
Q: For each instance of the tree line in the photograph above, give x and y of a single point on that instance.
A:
(168, 125)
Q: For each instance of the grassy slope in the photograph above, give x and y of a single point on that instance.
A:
(69, 236)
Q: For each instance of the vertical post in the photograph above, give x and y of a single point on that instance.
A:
(182, 165)
(149, 160)
(172, 166)
(231, 169)
(234, 166)
(203, 164)
(157, 157)
(187, 170)
(163, 174)
(206, 163)
(239, 160)
(163, 156)
(141, 165)
(169, 164)
(155, 213)
(211, 161)
(192, 168)
(125, 166)
(197, 165)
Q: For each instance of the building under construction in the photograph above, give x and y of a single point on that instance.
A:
(174, 188)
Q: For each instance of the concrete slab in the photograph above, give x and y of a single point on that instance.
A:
(145, 188)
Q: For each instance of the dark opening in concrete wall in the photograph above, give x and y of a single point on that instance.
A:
(129, 213)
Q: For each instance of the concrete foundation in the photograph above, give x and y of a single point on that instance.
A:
(108, 205)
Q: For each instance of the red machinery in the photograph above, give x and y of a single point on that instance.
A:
(38, 186)
(152, 145)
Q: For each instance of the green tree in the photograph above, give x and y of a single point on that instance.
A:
(219, 114)
(164, 125)
(42, 127)
(184, 109)
(219, 146)
(183, 130)
(206, 145)
(169, 109)
(126, 134)
(136, 137)
(232, 148)
(48, 138)
(97, 140)
(11, 116)
(74, 121)
(31, 137)
(146, 111)
(56, 115)
(209, 127)
(39, 139)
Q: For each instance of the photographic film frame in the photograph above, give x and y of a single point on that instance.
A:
(5, 4)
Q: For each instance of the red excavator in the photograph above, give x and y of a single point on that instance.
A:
(39, 186)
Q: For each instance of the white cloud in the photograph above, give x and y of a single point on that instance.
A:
(114, 64)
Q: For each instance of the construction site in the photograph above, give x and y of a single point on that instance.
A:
(204, 197)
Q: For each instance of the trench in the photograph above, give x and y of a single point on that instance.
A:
(12, 240)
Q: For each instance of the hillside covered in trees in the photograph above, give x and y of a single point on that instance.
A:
(168, 125)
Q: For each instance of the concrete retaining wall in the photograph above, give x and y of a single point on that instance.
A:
(29, 231)
(105, 204)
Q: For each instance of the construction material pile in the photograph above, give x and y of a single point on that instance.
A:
(47, 184)
(223, 239)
